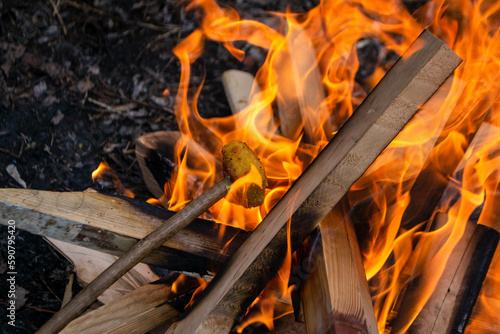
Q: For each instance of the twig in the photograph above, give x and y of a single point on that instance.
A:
(157, 39)
(56, 12)
(10, 153)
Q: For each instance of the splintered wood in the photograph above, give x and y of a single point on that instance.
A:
(335, 297)
(383, 114)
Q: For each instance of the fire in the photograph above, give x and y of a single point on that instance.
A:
(105, 177)
(323, 42)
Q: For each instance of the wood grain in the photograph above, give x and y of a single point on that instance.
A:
(335, 297)
(114, 224)
(136, 312)
(398, 96)
(137, 253)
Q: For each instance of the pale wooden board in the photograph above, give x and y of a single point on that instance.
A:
(93, 219)
(90, 263)
(238, 87)
(135, 312)
(335, 296)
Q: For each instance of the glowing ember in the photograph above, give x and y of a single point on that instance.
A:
(438, 136)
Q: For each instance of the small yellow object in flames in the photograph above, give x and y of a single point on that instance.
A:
(247, 173)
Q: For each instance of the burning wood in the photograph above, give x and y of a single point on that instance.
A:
(173, 225)
(114, 224)
(380, 117)
(138, 311)
(301, 94)
(450, 305)
(335, 297)
(454, 262)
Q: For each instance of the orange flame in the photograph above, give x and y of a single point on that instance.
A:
(438, 136)
(106, 176)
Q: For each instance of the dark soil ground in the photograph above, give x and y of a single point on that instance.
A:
(77, 86)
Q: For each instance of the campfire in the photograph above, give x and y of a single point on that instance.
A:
(378, 132)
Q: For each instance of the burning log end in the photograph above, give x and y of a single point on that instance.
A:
(155, 154)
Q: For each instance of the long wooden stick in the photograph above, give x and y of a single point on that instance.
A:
(408, 85)
(135, 255)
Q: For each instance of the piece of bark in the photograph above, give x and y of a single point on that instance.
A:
(136, 312)
(335, 297)
(450, 305)
(382, 115)
(113, 225)
(155, 154)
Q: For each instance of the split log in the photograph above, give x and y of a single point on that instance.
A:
(88, 264)
(113, 225)
(301, 91)
(335, 296)
(381, 116)
(449, 307)
(136, 312)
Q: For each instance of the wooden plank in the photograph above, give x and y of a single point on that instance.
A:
(301, 91)
(79, 218)
(335, 297)
(398, 96)
(89, 264)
